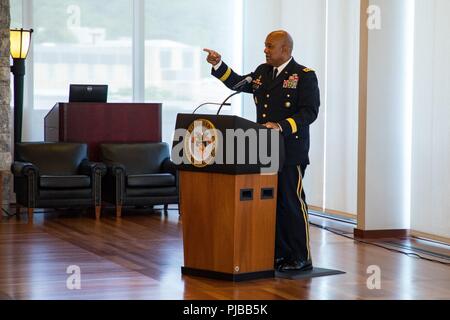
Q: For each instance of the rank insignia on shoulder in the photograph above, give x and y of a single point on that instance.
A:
(307, 70)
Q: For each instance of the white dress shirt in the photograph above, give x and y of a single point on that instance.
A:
(281, 68)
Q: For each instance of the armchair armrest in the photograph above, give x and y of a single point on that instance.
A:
(116, 169)
(26, 177)
(24, 169)
(90, 168)
(169, 167)
(96, 170)
(115, 181)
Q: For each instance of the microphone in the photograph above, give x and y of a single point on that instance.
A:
(242, 83)
(212, 103)
(238, 86)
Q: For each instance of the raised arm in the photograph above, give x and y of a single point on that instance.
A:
(224, 73)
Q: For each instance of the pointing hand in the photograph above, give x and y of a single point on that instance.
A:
(213, 57)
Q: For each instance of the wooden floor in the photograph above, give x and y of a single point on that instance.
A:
(140, 255)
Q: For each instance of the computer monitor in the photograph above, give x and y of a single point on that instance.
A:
(88, 93)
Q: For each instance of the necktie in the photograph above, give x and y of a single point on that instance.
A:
(275, 72)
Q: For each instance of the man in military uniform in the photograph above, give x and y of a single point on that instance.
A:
(287, 98)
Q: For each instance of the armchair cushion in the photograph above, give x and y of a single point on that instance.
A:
(152, 192)
(136, 158)
(66, 194)
(65, 182)
(151, 180)
(53, 158)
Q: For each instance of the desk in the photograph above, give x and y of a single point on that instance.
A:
(95, 123)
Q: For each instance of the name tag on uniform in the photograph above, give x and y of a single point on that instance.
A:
(292, 82)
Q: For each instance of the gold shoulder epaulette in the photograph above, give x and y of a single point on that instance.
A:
(307, 70)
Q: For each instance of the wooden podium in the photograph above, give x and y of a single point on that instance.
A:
(95, 123)
(228, 210)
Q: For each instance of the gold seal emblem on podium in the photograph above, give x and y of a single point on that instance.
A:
(200, 143)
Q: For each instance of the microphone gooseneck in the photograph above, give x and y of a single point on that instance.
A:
(239, 87)
(211, 103)
(224, 102)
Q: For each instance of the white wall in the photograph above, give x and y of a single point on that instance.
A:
(342, 106)
(305, 20)
(260, 18)
(326, 39)
(430, 205)
(394, 199)
(387, 185)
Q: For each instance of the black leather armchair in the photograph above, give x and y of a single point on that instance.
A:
(50, 175)
(138, 174)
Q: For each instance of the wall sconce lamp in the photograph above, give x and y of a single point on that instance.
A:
(20, 43)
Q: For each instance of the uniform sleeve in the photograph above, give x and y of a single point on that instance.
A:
(309, 102)
(231, 78)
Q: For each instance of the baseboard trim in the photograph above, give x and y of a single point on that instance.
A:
(430, 237)
(334, 213)
(380, 234)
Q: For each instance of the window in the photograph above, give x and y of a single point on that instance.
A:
(81, 42)
(87, 41)
(16, 14)
(176, 71)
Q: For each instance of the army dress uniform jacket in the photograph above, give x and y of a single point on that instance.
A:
(292, 100)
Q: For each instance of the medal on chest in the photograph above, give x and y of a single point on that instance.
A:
(291, 82)
(257, 83)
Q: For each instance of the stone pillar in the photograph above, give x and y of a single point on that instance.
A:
(5, 114)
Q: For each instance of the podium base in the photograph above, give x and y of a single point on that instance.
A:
(228, 276)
